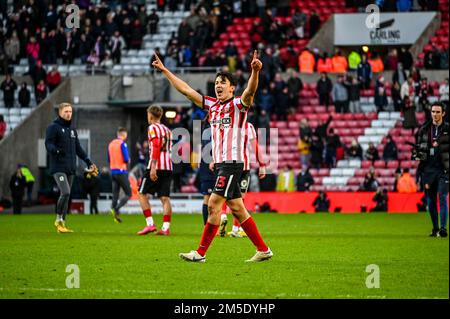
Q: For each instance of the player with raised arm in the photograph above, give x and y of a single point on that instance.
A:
(158, 175)
(228, 118)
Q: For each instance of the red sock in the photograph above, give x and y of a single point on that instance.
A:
(209, 232)
(252, 232)
(147, 213)
(236, 222)
(166, 218)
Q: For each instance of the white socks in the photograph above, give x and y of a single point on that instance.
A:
(165, 226)
(235, 229)
(149, 221)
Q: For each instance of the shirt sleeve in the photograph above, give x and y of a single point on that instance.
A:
(208, 102)
(152, 133)
(124, 148)
(240, 105)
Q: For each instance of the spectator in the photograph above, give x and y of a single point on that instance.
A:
(354, 95)
(340, 96)
(24, 95)
(116, 44)
(407, 93)
(381, 200)
(381, 101)
(354, 59)
(266, 101)
(399, 75)
(339, 63)
(53, 79)
(286, 180)
(304, 180)
(91, 185)
(314, 24)
(424, 91)
(33, 49)
(9, 87)
(372, 153)
(38, 73)
(303, 147)
(2, 127)
(443, 94)
(316, 151)
(17, 186)
(370, 184)
(93, 61)
(322, 128)
(29, 178)
(432, 59)
(376, 64)
(355, 150)
(153, 20)
(107, 64)
(282, 105)
(406, 184)
(444, 57)
(12, 48)
(392, 60)
(324, 64)
(332, 143)
(295, 85)
(415, 74)
(306, 61)
(305, 130)
(364, 73)
(397, 175)
(324, 88)
(41, 92)
(68, 52)
(136, 36)
(390, 150)
(299, 20)
(396, 97)
(321, 203)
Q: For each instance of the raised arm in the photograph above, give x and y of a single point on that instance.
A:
(179, 84)
(252, 85)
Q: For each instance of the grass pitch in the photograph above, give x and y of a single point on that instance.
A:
(316, 256)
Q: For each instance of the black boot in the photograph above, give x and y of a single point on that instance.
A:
(443, 232)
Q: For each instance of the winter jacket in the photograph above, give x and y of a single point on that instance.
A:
(63, 146)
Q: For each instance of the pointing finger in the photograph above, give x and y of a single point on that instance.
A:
(255, 54)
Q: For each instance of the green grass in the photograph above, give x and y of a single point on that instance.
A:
(316, 256)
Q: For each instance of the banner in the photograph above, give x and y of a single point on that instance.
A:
(380, 28)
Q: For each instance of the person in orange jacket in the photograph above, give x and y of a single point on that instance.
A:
(377, 64)
(339, 63)
(406, 184)
(324, 64)
(306, 61)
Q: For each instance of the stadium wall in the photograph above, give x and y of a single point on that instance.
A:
(298, 202)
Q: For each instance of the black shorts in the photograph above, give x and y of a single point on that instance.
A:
(206, 187)
(160, 187)
(228, 178)
(244, 183)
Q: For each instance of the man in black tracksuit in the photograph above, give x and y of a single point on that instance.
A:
(433, 153)
(63, 146)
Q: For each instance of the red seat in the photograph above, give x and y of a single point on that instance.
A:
(379, 164)
(392, 164)
(366, 164)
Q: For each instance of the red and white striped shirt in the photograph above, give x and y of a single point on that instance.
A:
(164, 136)
(228, 121)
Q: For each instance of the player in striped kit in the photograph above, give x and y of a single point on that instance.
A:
(228, 117)
(250, 143)
(158, 175)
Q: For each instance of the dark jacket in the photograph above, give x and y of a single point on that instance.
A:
(390, 151)
(324, 87)
(304, 181)
(17, 186)
(24, 97)
(424, 143)
(322, 204)
(63, 146)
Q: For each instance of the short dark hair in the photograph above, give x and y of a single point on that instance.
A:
(440, 104)
(406, 170)
(226, 75)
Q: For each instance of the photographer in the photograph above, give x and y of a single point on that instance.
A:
(432, 151)
(322, 203)
(381, 200)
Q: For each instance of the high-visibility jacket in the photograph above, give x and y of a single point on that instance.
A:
(353, 60)
(306, 62)
(377, 65)
(339, 64)
(406, 184)
(29, 178)
(324, 65)
(118, 156)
